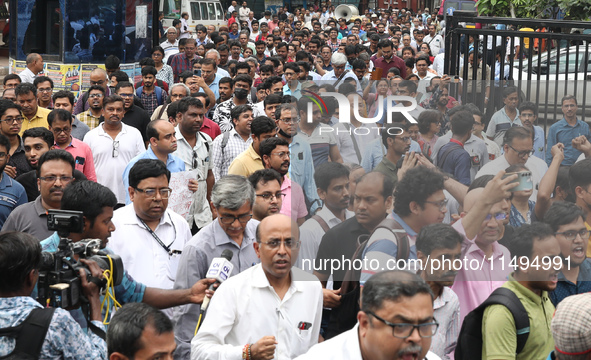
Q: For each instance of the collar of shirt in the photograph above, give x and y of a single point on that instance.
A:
(530, 295)
(152, 155)
(221, 238)
(389, 164)
(584, 272)
(253, 154)
(456, 141)
(259, 279)
(329, 217)
(17, 304)
(102, 132)
(71, 143)
(179, 137)
(130, 217)
(474, 248)
(21, 146)
(446, 296)
(5, 182)
(563, 123)
(404, 225)
(286, 184)
(39, 207)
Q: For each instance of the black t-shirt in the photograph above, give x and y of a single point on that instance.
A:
(29, 181)
(339, 243)
(137, 118)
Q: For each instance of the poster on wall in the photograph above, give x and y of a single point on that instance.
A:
(17, 66)
(129, 69)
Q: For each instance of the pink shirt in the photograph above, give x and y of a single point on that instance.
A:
(474, 284)
(293, 204)
(82, 156)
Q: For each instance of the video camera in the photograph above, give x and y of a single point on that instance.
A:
(59, 277)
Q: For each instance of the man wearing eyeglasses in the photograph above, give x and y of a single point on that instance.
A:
(387, 322)
(567, 220)
(44, 87)
(10, 125)
(12, 194)
(113, 145)
(54, 172)
(98, 77)
(148, 236)
(288, 302)
(267, 188)
(518, 149)
(134, 115)
(482, 225)
(275, 155)
(60, 124)
(232, 198)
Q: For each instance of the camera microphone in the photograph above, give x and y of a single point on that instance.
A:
(220, 269)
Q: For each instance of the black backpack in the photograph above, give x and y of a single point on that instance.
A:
(29, 335)
(344, 317)
(470, 340)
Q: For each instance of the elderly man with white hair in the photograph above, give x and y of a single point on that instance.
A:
(338, 74)
(215, 55)
(171, 38)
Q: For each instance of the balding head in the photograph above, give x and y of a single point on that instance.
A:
(277, 220)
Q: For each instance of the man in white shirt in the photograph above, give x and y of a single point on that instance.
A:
(384, 302)
(332, 180)
(113, 145)
(338, 74)
(149, 237)
(435, 41)
(288, 302)
(194, 148)
(34, 66)
(171, 39)
(244, 11)
(518, 148)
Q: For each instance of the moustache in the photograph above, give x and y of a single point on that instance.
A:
(415, 348)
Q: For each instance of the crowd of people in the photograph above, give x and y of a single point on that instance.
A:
(350, 228)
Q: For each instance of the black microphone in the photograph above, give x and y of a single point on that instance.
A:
(220, 270)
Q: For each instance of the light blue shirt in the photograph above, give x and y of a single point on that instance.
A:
(562, 132)
(173, 164)
(375, 151)
(215, 86)
(301, 169)
(297, 93)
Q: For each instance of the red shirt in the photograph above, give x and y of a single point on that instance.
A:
(394, 62)
(210, 128)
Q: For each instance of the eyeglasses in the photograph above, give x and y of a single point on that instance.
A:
(228, 220)
(115, 148)
(269, 196)
(571, 235)
(523, 153)
(403, 330)
(100, 82)
(404, 139)
(441, 204)
(11, 120)
(281, 155)
(3, 155)
(98, 96)
(289, 243)
(498, 216)
(126, 95)
(53, 178)
(58, 130)
(45, 90)
(291, 121)
(151, 193)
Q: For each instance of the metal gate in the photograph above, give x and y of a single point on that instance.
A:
(544, 63)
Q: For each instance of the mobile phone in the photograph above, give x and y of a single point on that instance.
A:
(524, 179)
(197, 72)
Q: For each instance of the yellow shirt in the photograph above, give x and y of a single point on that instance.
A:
(246, 163)
(39, 120)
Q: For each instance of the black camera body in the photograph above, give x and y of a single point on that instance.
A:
(59, 278)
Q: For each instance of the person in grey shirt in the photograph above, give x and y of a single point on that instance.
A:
(233, 197)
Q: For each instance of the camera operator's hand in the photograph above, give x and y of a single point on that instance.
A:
(90, 289)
